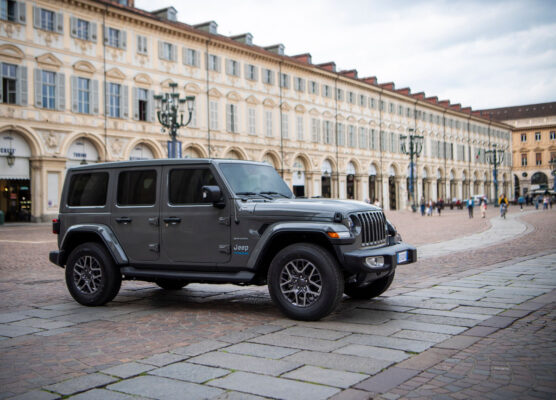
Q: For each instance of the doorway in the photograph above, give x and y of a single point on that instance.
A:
(15, 199)
(392, 192)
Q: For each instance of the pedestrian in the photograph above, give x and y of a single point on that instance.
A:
(422, 206)
(439, 207)
(503, 203)
(520, 201)
(483, 207)
(429, 208)
(377, 203)
(470, 206)
(545, 201)
(537, 202)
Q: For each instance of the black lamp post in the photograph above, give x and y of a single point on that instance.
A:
(553, 173)
(169, 111)
(415, 148)
(495, 157)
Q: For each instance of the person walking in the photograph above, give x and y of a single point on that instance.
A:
(439, 207)
(429, 208)
(470, 206)
(483, 207)
(521, 201)
(537, 202)
(545, 201)
(503, 203)
(422, 206)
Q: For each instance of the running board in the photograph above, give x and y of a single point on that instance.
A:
(192, 276)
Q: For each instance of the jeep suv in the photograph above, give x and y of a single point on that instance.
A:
(177, 221)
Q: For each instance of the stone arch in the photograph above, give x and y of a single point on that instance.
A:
(393, 169)
(235, 152)
(274, 157)
(197, 150)
(306, 160)
(331, 161)
(356, 164)
(94, 139)
(31, 139)
(153, 146)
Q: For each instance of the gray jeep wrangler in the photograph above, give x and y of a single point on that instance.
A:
(178, 221)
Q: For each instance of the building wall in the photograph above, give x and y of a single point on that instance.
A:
(451, 165)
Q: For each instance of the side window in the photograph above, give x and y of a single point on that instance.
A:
(137, 188)
(88, 190)
(185, 185)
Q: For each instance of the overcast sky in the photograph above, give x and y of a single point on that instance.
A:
(482, 54)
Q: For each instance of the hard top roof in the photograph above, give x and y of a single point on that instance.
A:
(161, 162)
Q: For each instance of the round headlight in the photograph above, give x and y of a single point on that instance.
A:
(354, 225)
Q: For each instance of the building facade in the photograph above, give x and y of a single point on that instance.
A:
(533, 145)
(78, 79)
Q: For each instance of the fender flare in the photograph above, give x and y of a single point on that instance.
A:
(105, 234)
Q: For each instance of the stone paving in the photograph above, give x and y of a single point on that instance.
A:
(445, 335)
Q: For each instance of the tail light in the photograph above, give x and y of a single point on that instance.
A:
(56, 226)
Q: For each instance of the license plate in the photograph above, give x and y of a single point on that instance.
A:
(402, 257)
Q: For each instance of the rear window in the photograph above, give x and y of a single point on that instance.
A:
(88, 189)
(137, 188)
(185, 185)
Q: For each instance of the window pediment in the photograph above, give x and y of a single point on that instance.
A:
(143, 79)
(11, 52)
(286, 107)
(269, 102)
(49, 60)
(252, 100)
(192, 88)
(115, 73)
(299, 108)
(233, 96)
(84, 66)
(214, 93)
(314, 112)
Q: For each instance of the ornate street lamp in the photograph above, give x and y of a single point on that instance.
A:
(495, 157)
(10, 158)
(169, 111)
(415, 148)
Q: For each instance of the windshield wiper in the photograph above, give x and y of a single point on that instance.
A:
(253, 194)
(278, 193)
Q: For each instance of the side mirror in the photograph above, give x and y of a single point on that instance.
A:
(212, 194)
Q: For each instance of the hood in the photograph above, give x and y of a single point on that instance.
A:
(311, 208)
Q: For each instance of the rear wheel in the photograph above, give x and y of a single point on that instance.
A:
(171, 284)
(371, 290)
(305, 282)
(92, 277)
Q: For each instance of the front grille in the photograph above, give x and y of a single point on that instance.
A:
(373, 228)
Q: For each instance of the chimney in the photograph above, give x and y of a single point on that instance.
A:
(329, 66)
(352, 73)
(433, 99)
(444, 103)
(406, 91)
(456, 107)
(245, 38)
(304, 58)
(276, 49)
(371, 80)
(388, 85)
(419, 96)
(210, 27)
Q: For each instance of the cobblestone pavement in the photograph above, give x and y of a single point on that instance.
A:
(428, 336)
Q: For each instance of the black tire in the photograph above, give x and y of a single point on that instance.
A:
(305, 282)
(92, 277)
(371, 290)
(171, 284)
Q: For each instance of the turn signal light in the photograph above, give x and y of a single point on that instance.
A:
(56, 226)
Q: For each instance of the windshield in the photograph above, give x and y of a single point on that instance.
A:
(253, 179)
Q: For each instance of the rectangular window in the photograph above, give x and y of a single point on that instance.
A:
(231, 118)
(113, 37)
(268, 122)
(538, 159)
(142, 103)
(552, 135)
(47, 19)
(285, 81)
(252, 121)
(351, 97)
(523, 137)
(315, 130)
(313, 87)
(142, 44)
(537, 137)
(327, 132)
(88, 190)
(213, 63)
(250, 72)
(285, 126)
(351, 136)
(213, 115)
(137, 188)
(185, 185)
(167, 51)
(8, 10)
(83, 95)
(9, 79)
(339, 94)
(372, 102)
(400, 111)
(268, 76)
(49, 90)
(372, 140)
(326, 91)
(299, 127)
(191, 57)
(232, 67)
(362, 100)
(341, 134)
(391, 108)
(381, 105)
(114, 100)
(299, 84)
(363, 138)
(524, 160)
(82, 29)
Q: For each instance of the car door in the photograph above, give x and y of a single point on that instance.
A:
(135, 213)
(193, 232)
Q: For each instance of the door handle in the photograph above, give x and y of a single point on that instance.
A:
(123, 220)
(172, 220)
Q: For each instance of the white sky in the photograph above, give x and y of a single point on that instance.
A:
(480, 53)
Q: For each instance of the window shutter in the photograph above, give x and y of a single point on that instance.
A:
(74, 93)
(93, 31)
(105, 35)
(229, 67)
(2, 80)
(125, 101)
(123, 39)
(21, 89)
(36, 17)
(218, 64)
(73, 26)
(60, 91)
(94, 96)
(106, 99)
(160, 50)
(59, 22)
(21, 12)
(184, 55)
(38, 88)
(228, 117)
(134, 104)
(150, 106)
(174, 53)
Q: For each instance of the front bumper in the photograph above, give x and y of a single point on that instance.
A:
(354, 261)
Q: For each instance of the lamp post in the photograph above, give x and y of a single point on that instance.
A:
(169, 111)
(495, 157)
(415, 148)
(553, 173)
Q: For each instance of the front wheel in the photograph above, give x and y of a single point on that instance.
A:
(371, 290)
(305, 282)
(92, 277)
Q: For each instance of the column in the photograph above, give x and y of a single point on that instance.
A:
(385, 194)
(401, 193)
